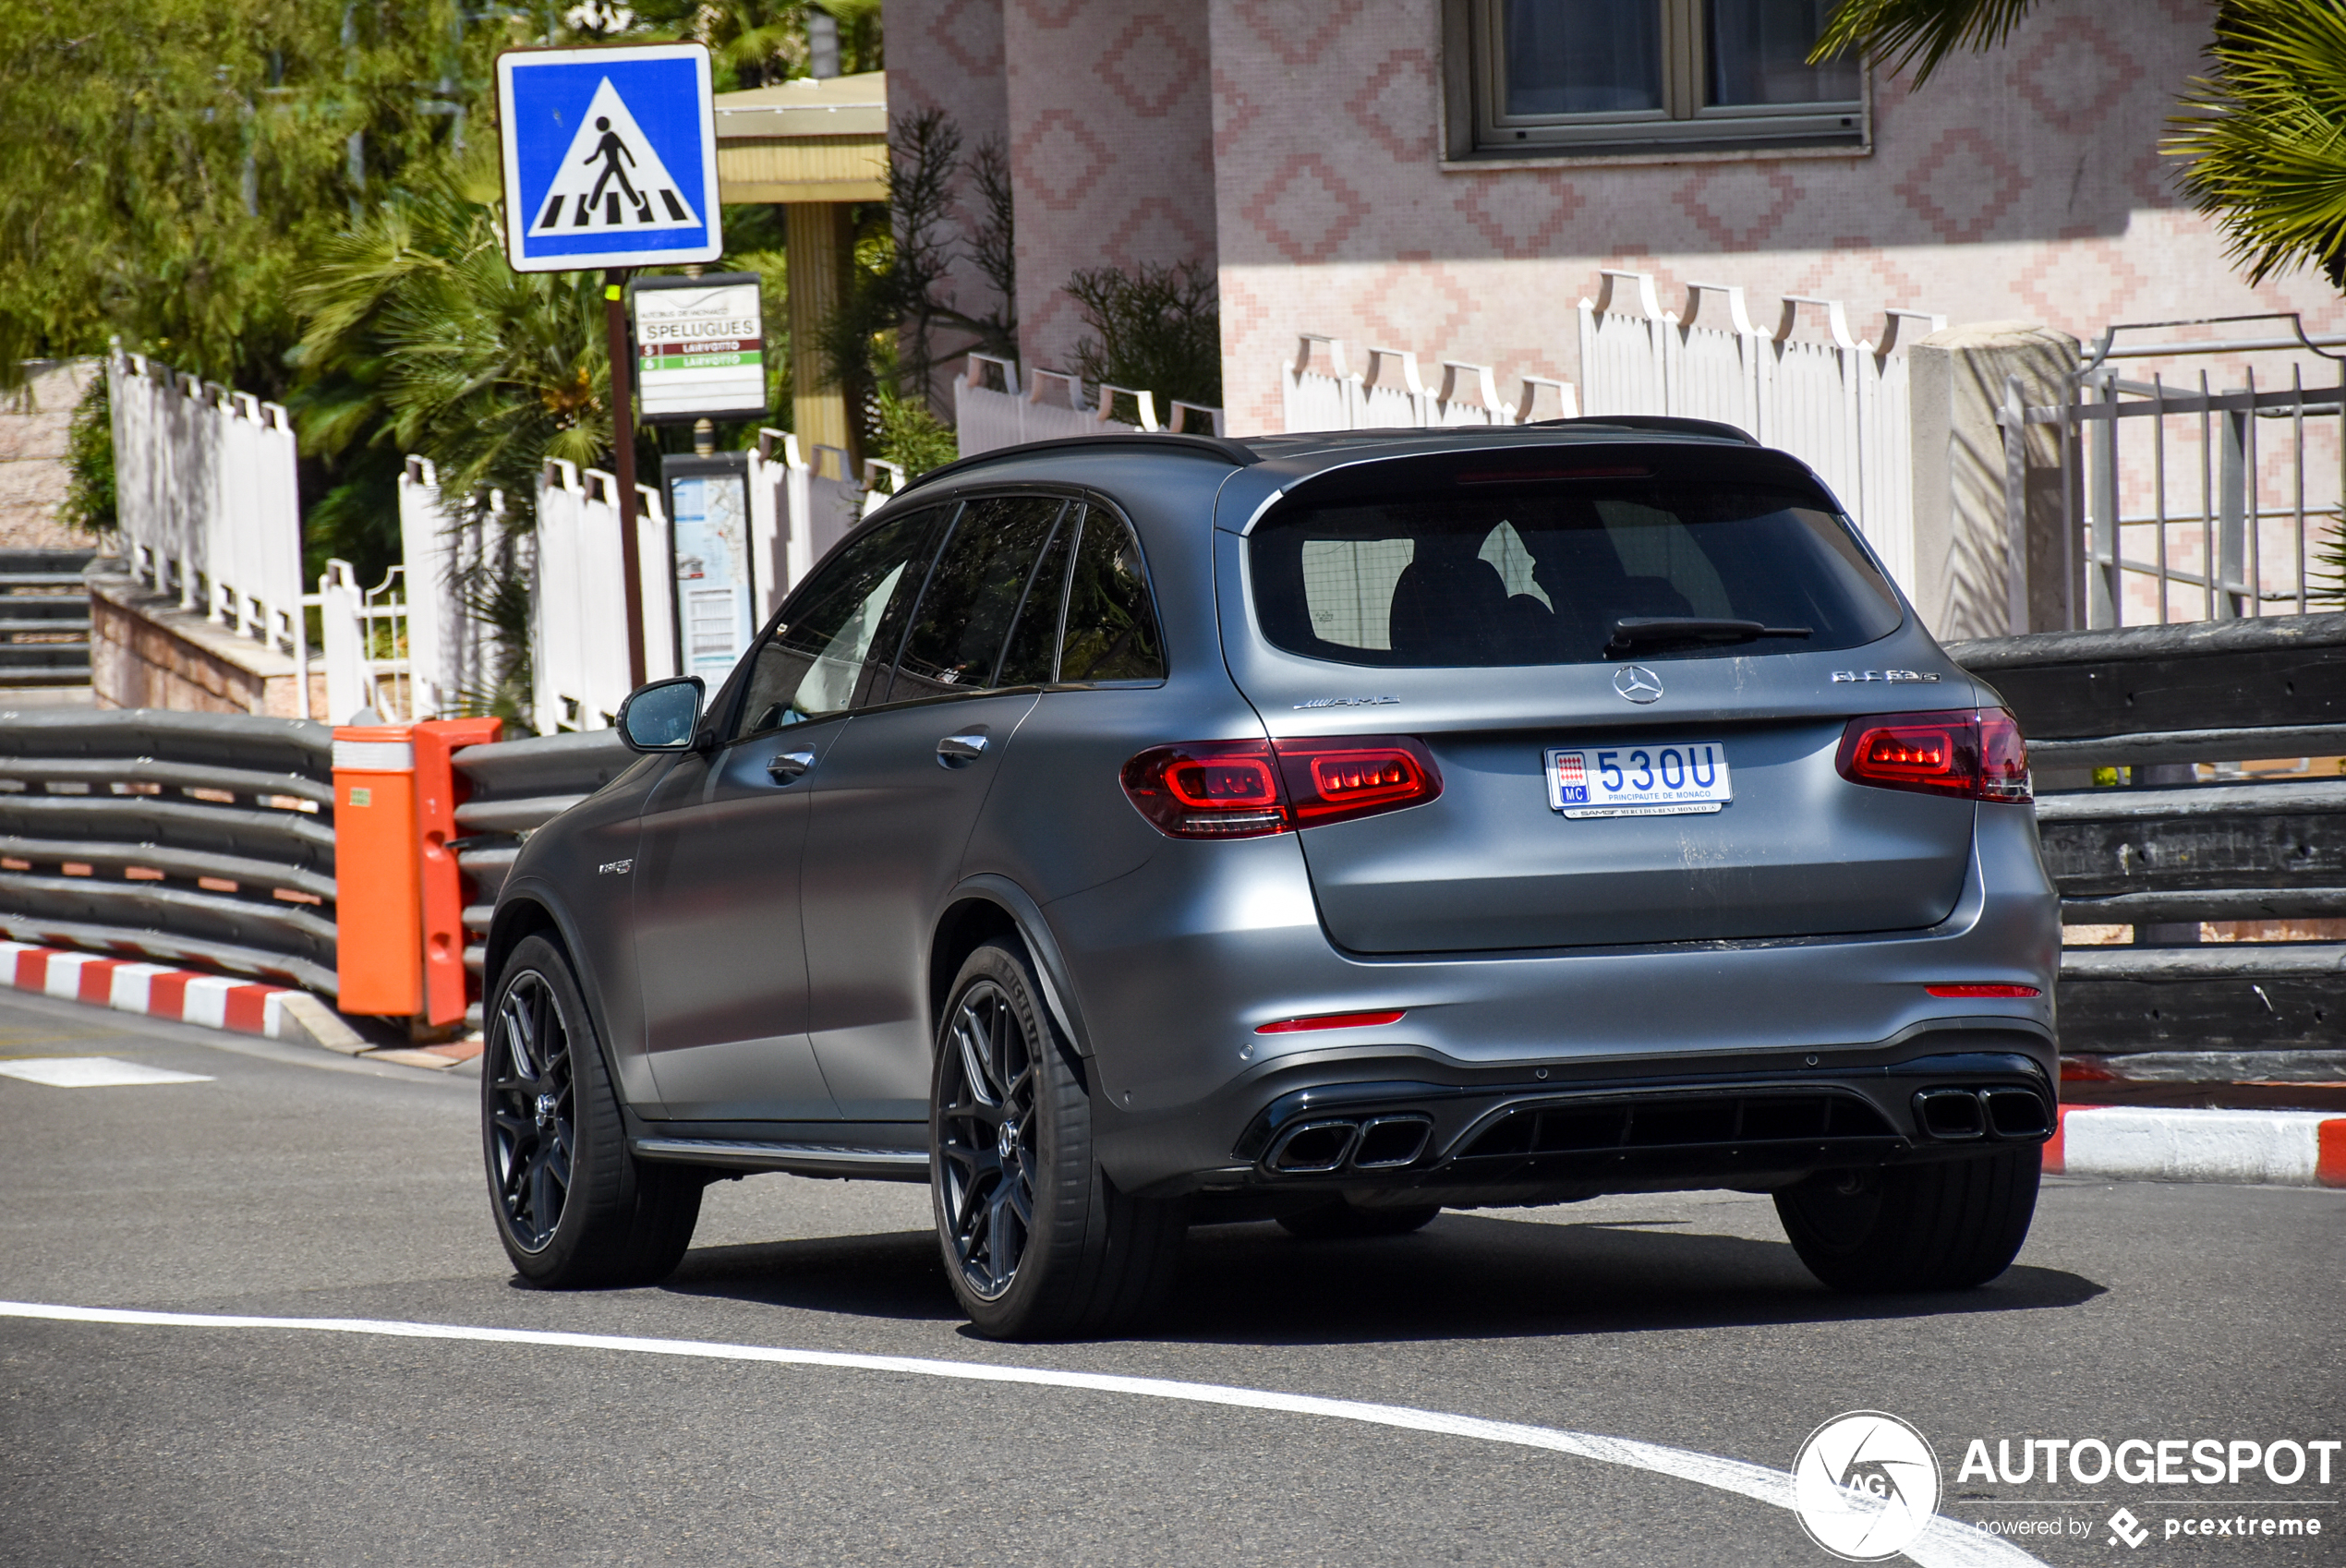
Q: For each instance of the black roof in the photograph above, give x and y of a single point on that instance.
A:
(1260, 448)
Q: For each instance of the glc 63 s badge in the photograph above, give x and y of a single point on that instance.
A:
(1894, 677)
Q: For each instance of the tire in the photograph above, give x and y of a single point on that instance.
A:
(1037, 1242)
(573, 1207)
(1946, 1225)
(1342, 1220)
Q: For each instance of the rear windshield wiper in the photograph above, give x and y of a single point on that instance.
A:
(1632, 629)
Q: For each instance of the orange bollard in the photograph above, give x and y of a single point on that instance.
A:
(438, 794)
(378, 915)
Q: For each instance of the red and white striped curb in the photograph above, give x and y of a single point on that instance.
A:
(183, 996)
(2151, 1143)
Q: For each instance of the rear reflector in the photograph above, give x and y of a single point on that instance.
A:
(1328, 1020)
(1246, 789)
(1972, 754)
(1983, 990)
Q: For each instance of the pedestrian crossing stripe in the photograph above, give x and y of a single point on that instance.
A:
(612, 179)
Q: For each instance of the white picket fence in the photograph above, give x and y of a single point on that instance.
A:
(990, 411)
(579, 600)
(1839, 404)
(1321, 393)
(208, 502)
(799, 509)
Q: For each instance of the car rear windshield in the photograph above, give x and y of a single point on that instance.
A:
(1546, 571)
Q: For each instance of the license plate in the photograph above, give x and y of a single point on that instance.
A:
(1680, 779)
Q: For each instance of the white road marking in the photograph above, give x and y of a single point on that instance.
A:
(91, 1072)
(1947, 1543)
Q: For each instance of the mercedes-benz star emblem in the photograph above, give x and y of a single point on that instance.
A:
(1638, 683)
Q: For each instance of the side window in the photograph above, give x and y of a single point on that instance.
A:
(956, 636)
(1032, 657)
(1111, 626)
(843, 626)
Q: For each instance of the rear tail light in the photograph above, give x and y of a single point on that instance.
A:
(1973, 753)
(1966, 989)
(1246, 789)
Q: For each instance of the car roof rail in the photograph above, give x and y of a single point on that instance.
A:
(1236, 453)
(1660, 424)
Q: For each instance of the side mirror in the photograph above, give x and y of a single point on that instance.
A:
(659, 717)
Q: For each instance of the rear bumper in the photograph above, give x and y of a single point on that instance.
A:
(1177, 965)
(1409, 1128)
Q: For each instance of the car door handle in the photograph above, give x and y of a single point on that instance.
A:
(788, 768)
(957, 749)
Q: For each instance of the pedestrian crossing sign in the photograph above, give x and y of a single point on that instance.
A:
(609, 156)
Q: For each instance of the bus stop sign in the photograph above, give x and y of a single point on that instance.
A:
(609, 157)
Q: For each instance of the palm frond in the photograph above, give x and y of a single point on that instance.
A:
(1917, 34)
(2266, 131)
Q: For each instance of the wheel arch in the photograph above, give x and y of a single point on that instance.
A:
(981, 909)
(525, 913)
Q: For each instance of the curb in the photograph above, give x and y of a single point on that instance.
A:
(274, 1012)
(2145, 1143)
(213, 1001)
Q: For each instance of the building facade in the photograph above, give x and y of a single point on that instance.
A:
(1451, 176)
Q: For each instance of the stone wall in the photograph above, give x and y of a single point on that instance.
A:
(33, 423)
(146, 652)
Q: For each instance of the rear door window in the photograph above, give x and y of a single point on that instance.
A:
(955, 640)
(1544, 572)
(841, 633)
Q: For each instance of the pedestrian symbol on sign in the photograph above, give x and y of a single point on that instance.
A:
(612, 179)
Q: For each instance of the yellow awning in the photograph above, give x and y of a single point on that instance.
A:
(804, 140)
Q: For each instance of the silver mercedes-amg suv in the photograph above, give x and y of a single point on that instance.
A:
(1125, 834)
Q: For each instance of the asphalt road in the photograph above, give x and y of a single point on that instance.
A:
(292, 1184)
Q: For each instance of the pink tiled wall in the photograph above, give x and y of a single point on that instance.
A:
(1298, 143)
(2023, 184)
(1111, 144)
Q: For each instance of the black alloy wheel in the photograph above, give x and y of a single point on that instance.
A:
(532, 1111)
(1036, 1241)
(574, 1207)
(986, 1137)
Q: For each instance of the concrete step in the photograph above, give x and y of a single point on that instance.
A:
(50, 561)
(42, 626)
(41, 663)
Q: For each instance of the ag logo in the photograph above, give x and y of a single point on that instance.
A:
(1638, 683)
(1865, 1486)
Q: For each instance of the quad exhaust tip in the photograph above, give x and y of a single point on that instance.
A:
(1363, 1143)
(1956, 1116)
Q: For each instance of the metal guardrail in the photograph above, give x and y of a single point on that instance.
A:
(516, 786)
(179, 836)
(209, 837)
(2166, 851)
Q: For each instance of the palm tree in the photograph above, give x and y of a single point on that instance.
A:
(2265, 129)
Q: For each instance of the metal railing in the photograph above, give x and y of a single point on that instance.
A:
(2159, 846)
(2186, 501)
(514, 787)
(183, 836)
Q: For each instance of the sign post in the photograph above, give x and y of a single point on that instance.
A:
(610, 161)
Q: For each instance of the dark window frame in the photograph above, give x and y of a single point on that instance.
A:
(1478, 131)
